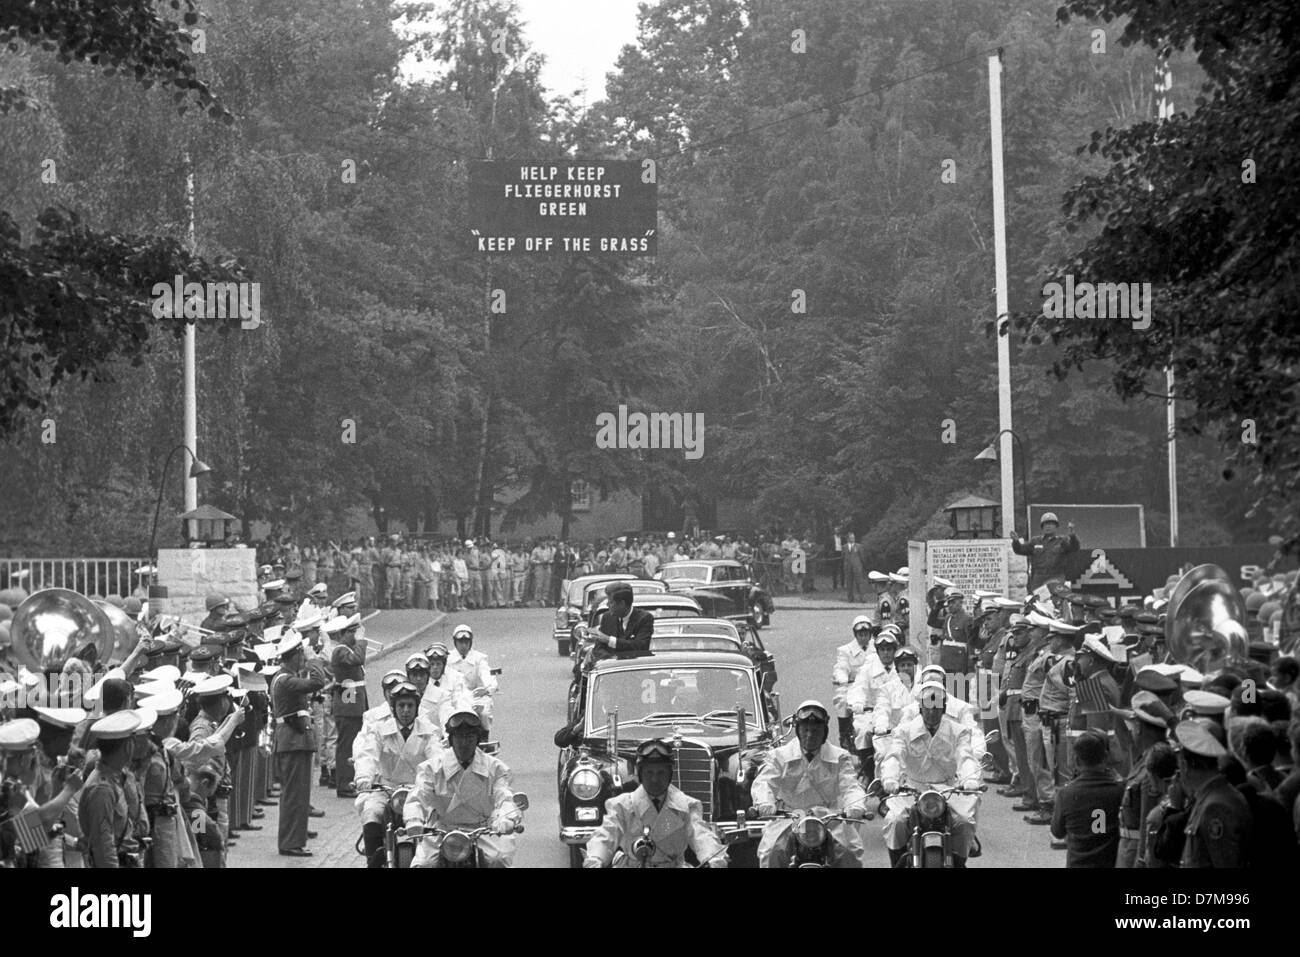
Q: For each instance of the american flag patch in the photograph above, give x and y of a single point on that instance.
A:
(32, 834)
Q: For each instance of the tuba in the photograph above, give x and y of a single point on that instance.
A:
(126, 633)
(1205, 621)
(56, 625)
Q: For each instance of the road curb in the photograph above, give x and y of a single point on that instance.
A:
(405, 640)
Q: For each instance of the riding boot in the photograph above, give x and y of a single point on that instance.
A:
(958, 861)
(896, 856)
(373, 836)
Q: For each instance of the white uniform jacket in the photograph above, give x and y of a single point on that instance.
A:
(473, 670)
(849, 660)
(916, 757)
(380, 754)
(438, 698)
(827, 781)
(678, 826)
(960, 711)
(477, 796)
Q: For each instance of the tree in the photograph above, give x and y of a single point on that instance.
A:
(1204, 207)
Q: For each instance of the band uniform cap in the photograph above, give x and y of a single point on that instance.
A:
(294, 575)
(289, 643)
(340, 623)
(347, 598)
(1151, 679)
(1196, 738)
(985, 593)
(60, 717)
(164, 703)
(320, 588)
(1018, 620)
(202, 654)
(313, 619)
(215, 601)
(19, 735)
(1097, 646)
(418, 660)
(1058, 627)
(148, 718)
(1189, 676)
(462, 716)
(392, 677)
(952, 592)
(114, 727)
(162, 673)
(274, 584)
(1206, 702)
(900, 577)
(285, 600)
(812, 711)
(1039, 620)
(1048, 517)
(1006, 604)
(212, 685)
(147, 689)
(656, 749)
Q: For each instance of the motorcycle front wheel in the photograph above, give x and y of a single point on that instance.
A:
(932, 857)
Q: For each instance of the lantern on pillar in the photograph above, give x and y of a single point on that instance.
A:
(973, 517)
(207, 526)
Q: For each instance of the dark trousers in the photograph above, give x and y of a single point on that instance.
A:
(295, 797)
(846, 732)
(348, 727)
(837, 571)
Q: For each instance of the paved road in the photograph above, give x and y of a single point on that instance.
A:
(531, 706)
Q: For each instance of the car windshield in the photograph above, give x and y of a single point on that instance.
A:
(695, 643)
(722, 628)
(694, 573)
(668, 694)
(596, 593)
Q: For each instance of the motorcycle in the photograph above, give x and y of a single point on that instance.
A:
(644, 847)
(929, 826)
(399, 849)
(809, 843)
(459, 846)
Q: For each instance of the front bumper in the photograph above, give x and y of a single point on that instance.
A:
(576, 835)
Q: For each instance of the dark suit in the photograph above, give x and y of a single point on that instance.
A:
(634, 638)
(1218, 827)
(294, 746)
(348, 705)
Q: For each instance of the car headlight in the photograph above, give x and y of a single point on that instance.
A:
(931, 804)
(456, 846)
(810, 832)
(561, 618)
(584, 783)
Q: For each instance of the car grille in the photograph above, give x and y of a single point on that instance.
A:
(695, 774)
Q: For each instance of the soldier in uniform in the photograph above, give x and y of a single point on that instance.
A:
(58, 782)
(655, 825)
(349, 697)
(1148, 722)
(1218, 831)
(1097, 692)
(291, 692)
(1055, 701)
(215, 708)
(218, 606)
(103, 811)
(955, 636)
(1047, 551)
(499, 573)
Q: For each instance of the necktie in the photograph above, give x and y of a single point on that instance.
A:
(406, 733)
(658, 803)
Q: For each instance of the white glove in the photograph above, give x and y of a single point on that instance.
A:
(719, 861)
(591, 862)
(362, 784)
(415, 830)
(765, 810)
(891, 787)
(857, 812)
(859, 709)
(503, 828)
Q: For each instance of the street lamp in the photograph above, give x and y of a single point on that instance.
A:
(990, 454)
(198, 468)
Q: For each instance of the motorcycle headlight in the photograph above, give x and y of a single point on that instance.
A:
(584, 783)
(456, 846)
(810, 832)
(397, 803)
(931, 804)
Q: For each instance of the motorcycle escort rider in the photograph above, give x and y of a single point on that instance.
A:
(809, 774)
(472, 667)
(657, 822)
(462, 787)
(849, 660)
(440, 688)
(931, 749)
(390, 751)
(867, 687)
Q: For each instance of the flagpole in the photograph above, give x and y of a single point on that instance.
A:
(1164, 110)
(1005, 460)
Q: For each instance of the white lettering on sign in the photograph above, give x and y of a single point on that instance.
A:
(971, 565)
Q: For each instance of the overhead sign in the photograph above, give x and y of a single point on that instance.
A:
(564, 206)
(1098, 526)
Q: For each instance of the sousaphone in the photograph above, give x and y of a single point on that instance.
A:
(55, 625)
(1205, 621)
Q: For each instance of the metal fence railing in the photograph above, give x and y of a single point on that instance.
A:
(89, 576)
